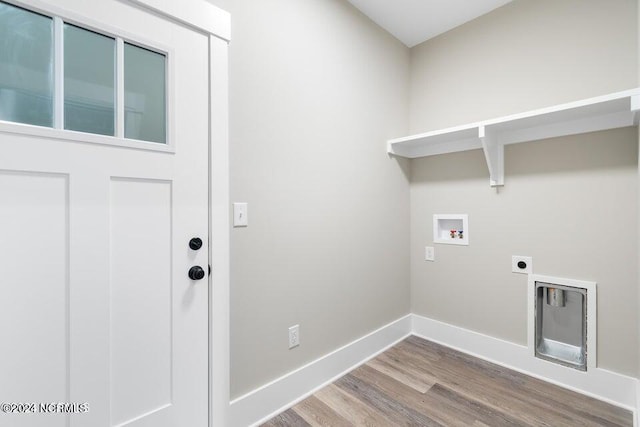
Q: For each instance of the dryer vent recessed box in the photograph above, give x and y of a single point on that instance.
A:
(562, 321)
(451, 229)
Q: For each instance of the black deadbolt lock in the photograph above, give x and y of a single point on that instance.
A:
(196, 273)
(195, 243)
(522, 265)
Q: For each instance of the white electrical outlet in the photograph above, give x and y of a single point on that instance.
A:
(522, 264)
(429, 253)
(294, 336)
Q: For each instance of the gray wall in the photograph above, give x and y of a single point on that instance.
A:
(316, 89)
(571, 203)
(522, 56)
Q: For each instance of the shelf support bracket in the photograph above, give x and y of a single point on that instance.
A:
(494, 154)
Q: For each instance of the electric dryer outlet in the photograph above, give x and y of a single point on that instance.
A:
(522, 264)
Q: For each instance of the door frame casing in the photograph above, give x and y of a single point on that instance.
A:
(219, 234)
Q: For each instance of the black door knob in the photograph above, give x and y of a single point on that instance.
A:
(196, 273)
(195, 243)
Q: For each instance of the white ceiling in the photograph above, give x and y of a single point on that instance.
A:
(414, 21)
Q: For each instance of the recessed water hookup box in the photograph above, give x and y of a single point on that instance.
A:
(562, 321)
(451, 229)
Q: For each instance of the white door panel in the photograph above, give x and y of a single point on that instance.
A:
(140, 297)
(94, 256)
(34, 288)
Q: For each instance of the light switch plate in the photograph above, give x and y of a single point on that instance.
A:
(240, 215)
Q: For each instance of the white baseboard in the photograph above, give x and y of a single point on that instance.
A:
(272, 398)
(636, 419)
(617, 389)
(269, 400)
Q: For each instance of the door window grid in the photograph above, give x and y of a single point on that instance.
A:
(89, 81)
(58, 102)
(26, 74)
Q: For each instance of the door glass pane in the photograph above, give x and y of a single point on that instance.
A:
(26, 66)
(144, 94)
(89, 81)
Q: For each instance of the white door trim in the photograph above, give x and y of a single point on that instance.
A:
(198, 14)
(219, 202)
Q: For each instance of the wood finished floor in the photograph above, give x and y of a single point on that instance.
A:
(419, 383)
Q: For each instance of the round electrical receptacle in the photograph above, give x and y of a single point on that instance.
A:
(522, 265)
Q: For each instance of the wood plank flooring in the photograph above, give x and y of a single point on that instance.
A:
(420, 383)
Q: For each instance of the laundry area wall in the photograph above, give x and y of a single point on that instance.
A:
(570, 203)
(337, 228)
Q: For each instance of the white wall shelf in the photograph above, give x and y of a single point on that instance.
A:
(610, 111)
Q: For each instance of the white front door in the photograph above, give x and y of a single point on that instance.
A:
(96, 305)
